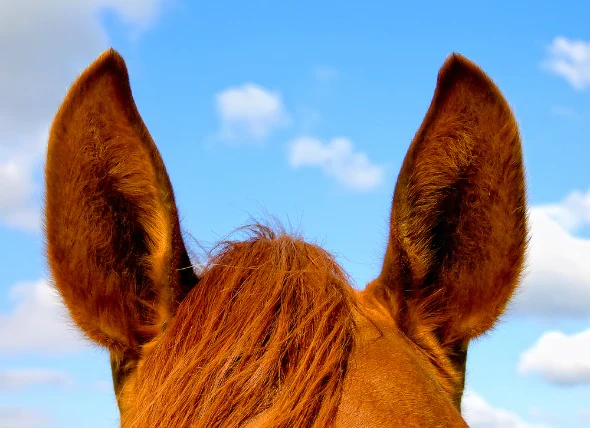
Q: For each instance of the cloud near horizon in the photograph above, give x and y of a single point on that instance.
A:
(38, 323)
(480, 414)
(22, 417)
(557, 275)
(559, 358)
(17, 379)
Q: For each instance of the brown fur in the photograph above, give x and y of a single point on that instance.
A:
(271, 334)
(268, 312)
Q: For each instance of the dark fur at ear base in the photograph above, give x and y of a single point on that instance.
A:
(113, 236)
(458, 230)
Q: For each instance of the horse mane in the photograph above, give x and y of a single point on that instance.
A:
(266, 335)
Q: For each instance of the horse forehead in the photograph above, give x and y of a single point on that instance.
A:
(388, 380)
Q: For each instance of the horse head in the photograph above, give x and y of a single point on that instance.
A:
(270, 333)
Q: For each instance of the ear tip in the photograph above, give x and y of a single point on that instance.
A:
(457, 66)
(455, 58)
(111, 57)
(458, 70)
(108, 72)
(110, 61)
(110, 65)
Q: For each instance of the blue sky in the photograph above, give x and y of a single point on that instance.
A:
(303, 111)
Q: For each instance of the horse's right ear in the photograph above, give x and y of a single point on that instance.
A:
(458, 221)
(113, 237)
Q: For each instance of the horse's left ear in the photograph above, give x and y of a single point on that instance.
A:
(458, 223)
(113, 237)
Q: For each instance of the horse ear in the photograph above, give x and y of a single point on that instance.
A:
(113, 237)
(458, 229)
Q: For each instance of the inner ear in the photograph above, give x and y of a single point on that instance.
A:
(458, 224)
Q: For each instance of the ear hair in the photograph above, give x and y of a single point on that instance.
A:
(113, 236)
(458, 229)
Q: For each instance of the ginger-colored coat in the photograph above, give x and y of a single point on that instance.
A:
(270, 333)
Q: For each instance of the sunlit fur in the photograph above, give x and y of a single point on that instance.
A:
(266, 338)
(269, 333)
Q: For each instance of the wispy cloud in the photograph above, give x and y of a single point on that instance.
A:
(22, 417)
(563, 111)
(249, 112)
(559, 358)
(140, 14)
(24, 378)
(480, 414)
(324, 73)
(37, 323)
(337, 159)
(570, 59)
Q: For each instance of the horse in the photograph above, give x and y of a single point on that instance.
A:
(269, 332)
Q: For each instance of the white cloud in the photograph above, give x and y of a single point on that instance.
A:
(137, 13)
(557, 281)
(559, 358)
(563, 111)
(38, 323)
(41, 59)
(23, 378)
(572, 213)
(20, 417)
(249, 111)
(324, 73)
(570, 59)
(16, 189)
(17, 185)
(480, 414)
(338, 160)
